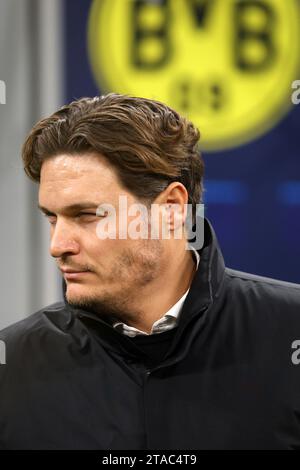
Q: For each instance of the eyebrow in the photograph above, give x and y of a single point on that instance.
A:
(72, 208)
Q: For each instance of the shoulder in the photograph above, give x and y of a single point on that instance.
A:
(43, 333)
(41, 319)
(269, 284)
(264, 292)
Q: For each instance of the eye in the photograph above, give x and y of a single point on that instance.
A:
(50, 218)
(89, 216)
(102, 212)
(86, 214)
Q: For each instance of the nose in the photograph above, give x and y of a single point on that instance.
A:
(63, 239)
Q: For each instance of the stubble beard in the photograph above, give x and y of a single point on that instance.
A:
(132, 271)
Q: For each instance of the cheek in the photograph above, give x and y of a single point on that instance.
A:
(108, 244)
(102, 252)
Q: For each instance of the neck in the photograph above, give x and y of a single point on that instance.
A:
(159, 296)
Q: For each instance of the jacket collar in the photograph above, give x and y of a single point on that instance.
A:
(208, 279)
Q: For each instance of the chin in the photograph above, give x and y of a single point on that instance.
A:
(76, 292)
(80, 293)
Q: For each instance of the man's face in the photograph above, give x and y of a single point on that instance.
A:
(116, 269)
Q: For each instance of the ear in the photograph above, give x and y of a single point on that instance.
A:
(174, 201)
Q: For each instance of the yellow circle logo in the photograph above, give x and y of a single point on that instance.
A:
(227, 65)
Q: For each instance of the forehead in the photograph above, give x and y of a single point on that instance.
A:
(69, 176)
(86, 167)
(68, 180)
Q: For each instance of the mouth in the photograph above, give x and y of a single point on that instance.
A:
(74, 274)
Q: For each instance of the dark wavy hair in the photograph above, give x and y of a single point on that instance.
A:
(149, 144)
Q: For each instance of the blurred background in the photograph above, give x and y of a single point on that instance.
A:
(231, 66)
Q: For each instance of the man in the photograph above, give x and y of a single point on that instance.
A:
(157, 345)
